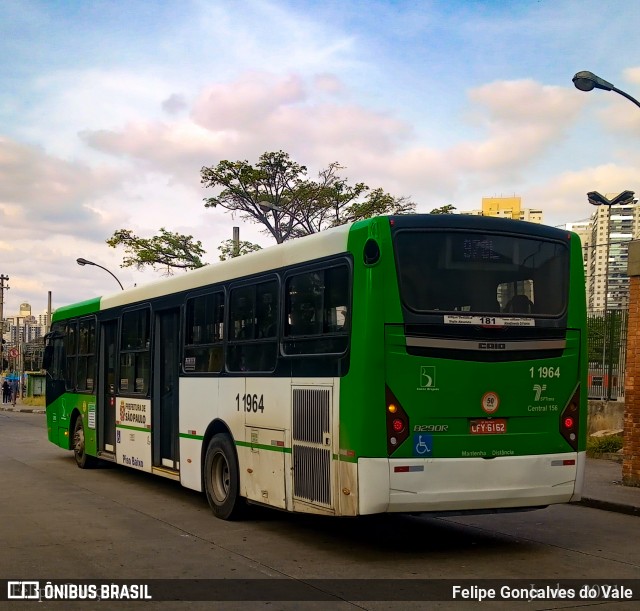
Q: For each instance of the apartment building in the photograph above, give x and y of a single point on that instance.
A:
(507, 207)
(606, 253)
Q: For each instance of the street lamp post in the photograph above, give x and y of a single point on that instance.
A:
(83, 262)
(597, 199)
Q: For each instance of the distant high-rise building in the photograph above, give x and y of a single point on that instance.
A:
(23, 327)
(583, 229)
(615, 226)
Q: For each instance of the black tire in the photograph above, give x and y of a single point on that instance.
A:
(221, 479)
(83, 460)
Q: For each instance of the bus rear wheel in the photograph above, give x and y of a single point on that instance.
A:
(83, 460)
(221, 479)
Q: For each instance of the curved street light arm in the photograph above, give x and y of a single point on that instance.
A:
(81, 261)
(626, 95)
(108, 272)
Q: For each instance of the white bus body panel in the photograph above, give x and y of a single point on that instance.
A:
(458, 484)
(264, 441)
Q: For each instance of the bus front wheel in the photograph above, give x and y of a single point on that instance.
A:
(221, 480)
(83, 460)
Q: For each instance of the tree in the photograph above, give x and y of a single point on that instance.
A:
(170, 250)
(277, 194)
(228, 249)
(446, 209)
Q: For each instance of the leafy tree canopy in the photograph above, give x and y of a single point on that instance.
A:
(277, 194)
(446, 209)
(228, 249)
(169, 250)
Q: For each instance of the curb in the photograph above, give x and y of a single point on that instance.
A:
(609, 506)
(26, 410)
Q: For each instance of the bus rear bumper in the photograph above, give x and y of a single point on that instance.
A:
(454, 484)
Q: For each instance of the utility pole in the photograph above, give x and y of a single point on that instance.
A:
(236, 242)
(3, 277)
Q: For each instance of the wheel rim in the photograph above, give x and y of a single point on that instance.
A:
(78, 440)
(220, 478)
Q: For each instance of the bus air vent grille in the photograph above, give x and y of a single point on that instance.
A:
(311, 452)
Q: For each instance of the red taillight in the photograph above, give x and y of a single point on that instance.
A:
(397, 422)
(570, 420)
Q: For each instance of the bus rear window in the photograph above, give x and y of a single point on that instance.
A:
(480, 272)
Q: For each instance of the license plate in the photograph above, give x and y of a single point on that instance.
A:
(493, 426)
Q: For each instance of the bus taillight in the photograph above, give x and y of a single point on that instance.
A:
(397, 425)
(397, 422)
(569, 420)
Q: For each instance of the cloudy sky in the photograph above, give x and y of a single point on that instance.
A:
(109, 109)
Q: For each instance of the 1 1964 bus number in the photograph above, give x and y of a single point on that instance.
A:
(251, 403)
(545, 372)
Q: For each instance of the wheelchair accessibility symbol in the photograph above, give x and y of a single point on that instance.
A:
(422, 445)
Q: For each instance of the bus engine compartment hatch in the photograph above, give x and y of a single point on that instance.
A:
(312, 443)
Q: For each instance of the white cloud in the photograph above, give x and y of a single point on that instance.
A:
(521, 120)
(247, 103)
(632, 75)
(40, 193)
(564, 197)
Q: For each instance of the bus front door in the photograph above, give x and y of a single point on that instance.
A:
(107, 394)
(165, 390)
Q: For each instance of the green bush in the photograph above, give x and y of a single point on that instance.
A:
(603, 445)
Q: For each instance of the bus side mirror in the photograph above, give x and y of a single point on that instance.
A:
(47, 357)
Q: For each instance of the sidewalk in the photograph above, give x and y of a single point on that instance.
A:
(20, 407)
(603, 488)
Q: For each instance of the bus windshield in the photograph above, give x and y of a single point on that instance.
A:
(481, 272)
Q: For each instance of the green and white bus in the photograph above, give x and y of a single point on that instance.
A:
(418, 363)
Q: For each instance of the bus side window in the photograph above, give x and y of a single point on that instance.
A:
(204, 333)
(336, 299)
(253, 317)
(317, 312)
(135, 369)
(86, 354)
(70, 348)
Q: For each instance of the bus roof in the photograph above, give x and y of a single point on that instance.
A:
(323, 244)
(77, 309)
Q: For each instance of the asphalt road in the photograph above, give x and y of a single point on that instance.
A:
(61, 522)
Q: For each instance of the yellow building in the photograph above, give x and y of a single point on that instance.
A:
(511, 208)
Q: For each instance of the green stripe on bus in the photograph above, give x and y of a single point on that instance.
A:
(343, 458)
(188, 436)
